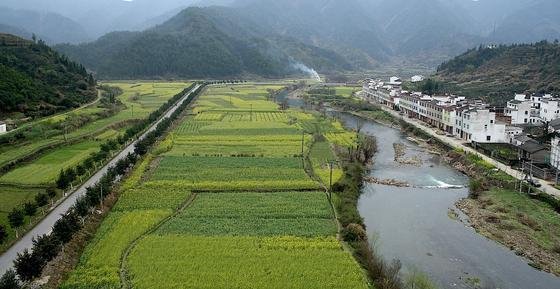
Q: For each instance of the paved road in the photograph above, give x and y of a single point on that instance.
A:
(547, 187)
(45, 226)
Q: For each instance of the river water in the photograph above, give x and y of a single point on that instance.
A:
(413, 224)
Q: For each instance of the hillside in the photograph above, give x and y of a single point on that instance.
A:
(499, 72)
(199, 43)
(36, 80)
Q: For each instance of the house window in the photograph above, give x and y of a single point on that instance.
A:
(526, 112)
(491, 121)
(525, 120)
(488, 138)
(485, 127)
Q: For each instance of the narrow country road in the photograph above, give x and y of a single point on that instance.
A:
(45, 226)
(456, 143)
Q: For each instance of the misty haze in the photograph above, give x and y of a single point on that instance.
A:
(373, 144)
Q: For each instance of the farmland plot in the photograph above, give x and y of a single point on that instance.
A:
(250, 216)
(243, 262)
(255, 214)
(233, 173)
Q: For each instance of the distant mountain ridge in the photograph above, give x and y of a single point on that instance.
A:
(51, 27)
(36, 80)
(198, 43)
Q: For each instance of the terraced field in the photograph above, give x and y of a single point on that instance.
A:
(23, 182)
(225, 202)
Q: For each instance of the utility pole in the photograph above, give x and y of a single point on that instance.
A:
(132, 106)
(251, 112)
(101, 198)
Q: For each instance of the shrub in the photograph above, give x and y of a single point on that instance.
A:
(46, 247)
(28, 266)
(476, 187)
(41, 199)
(51, 192)
(15, 217)
(30, 209)
(65, 227)
(353, 233)
(9, 280)
(3, 234)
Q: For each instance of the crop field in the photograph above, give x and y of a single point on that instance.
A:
(235, 206)
(223, 173)
(100, 262)
(321, 157)
(306, 214)
(347, 91)
(45, 169)
(242, 262)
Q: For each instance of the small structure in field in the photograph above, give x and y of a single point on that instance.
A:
(3, 128)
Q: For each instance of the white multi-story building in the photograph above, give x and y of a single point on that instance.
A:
(555, 152)
(549, 109)
(521, 111)
(480, 125)
(3, 128)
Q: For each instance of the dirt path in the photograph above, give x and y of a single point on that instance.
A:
(123, 271)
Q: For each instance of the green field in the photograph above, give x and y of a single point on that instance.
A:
(347, 91)
(236, 208)
(242, 262)
(45, 169)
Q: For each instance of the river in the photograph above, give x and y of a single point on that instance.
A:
(414, 225)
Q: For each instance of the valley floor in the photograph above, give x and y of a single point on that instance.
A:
(225, 201)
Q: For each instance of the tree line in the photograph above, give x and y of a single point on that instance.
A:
(30, 263)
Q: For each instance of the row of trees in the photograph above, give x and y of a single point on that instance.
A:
(30, 263)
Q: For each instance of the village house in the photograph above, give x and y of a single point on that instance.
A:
(554, 126)
(515, 134)
(395, 81)
(417, 78)
(479, 125)
(534, 152)
(549, 109)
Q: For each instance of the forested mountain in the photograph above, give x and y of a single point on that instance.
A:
(36, 80)
(199, 42)
(498, 72)
(51, 27)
